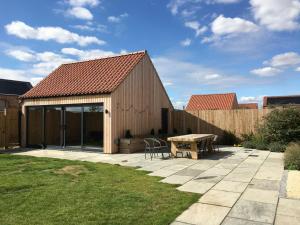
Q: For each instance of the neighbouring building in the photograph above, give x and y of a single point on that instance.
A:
(225, 101)
(10, 90)
(281, 101)
(248, 106)
(91, 104)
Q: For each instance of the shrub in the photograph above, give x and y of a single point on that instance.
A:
(256, 141)
(292, 157)
(276, 147)
(229, 138)
(249, 144)
(281, 126)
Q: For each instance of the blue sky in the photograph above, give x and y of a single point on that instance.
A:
(251, 47)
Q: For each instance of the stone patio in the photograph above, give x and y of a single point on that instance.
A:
(239, 186)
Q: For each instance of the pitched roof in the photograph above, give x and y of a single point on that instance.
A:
(281, 100)
(99, 76)
(212, 102)
(248, 106)
(14, 87)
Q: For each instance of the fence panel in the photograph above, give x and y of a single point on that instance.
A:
(239, 121)
(9, 128)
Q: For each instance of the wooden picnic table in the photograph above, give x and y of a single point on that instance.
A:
(192, 140)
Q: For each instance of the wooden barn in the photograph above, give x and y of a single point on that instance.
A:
(91, 104)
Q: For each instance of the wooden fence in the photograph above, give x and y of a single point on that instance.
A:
(240, 121)
(9, 128)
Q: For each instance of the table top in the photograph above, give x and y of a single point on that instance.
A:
(191, 137)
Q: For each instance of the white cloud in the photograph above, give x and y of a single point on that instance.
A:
(58, 34)
(98, 27)
(266, 71)
(251, 99)
(80, 13)
(277, 15)
(226, 25)
(174, 5)
(285, 59)
(87, 54)
(117, 19)
(195, 25)
(179, 104)
(212, 76)
(222, 1)
(91, 3)
(22, 55)
(13, 74)
(186, 42)
(298, 69)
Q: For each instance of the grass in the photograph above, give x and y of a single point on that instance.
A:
(53, 191)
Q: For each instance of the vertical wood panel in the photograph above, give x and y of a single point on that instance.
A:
(240, 121)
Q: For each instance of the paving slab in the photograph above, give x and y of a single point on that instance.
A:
(221, 198)
(196, 187)
(236, 221)
(286, 220)
(269, 174)
(240, 177)
(176, 179)
(162, 173)
(256, 211)
(189, 172)
(204, 214)
(259, 195)
(272, 185)
(293, 184)
(180, 223)
(289, 207)
(232, 186)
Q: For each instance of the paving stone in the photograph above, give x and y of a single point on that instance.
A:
(272, 185)
(288, 207)
(240, 177)
(201, 166)
(162, 173)
(226, 166)
(232, 186)
(221, 198)
(180, 223)
(208, 178)
(236, 221)
(269, 174)
(176, 179)
(258, 195)
(217, 171)
(256, 211)
(189, 172)
(196, 187)
(286, 220)
(203, 214)
(293, 183)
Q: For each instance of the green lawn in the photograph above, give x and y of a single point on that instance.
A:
(38, 191)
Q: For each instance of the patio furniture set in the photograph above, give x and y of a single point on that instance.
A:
(192, 144)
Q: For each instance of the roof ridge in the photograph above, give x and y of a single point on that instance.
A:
(215, 94)
(106, 57)
(19, 81)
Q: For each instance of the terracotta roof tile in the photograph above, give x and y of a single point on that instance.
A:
(212, 102)
(248, 106)
(99, 76)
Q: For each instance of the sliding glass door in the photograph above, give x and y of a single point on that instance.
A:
(65, 126)
(73, 126)
(93, 126)
(53, 126)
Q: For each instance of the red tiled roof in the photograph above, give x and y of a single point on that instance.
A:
(212, 102)
(99, 76)
(248, 106)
